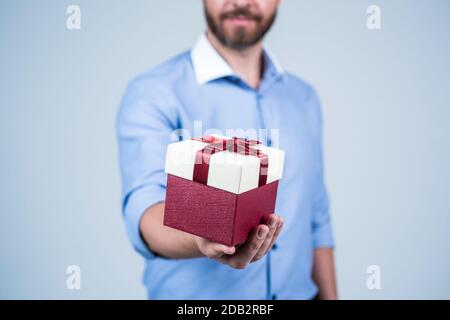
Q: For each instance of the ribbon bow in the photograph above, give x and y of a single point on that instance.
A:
(237, 145)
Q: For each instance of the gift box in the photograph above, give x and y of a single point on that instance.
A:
(220, 188)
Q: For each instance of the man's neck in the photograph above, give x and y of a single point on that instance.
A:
(246, 63)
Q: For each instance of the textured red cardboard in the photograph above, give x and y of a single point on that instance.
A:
(216, 214)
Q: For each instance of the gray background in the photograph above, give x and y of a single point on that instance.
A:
(386, 106)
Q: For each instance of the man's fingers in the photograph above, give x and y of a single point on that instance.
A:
(248, 250)
(215, 250)
(272, 223)
(277, 232)
(225, 249)
(260, 241)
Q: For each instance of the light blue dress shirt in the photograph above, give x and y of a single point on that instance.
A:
(198, 89)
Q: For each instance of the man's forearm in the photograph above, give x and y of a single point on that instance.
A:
(165, 241)
(324, 273)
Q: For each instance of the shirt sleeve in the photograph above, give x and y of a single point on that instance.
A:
(144, 128)
(321, 222)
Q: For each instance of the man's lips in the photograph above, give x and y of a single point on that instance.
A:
(240, 19)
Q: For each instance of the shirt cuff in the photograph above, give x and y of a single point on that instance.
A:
(323, 236)
(134, 208)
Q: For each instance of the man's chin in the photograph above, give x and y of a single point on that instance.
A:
(239, 38)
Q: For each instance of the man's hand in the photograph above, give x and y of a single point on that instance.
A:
(175, 244)
(257, 245)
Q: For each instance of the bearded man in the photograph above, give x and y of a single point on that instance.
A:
(228, 80)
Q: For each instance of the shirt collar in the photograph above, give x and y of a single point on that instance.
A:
(209, 65)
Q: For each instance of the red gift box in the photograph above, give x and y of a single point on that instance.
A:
(211, 212)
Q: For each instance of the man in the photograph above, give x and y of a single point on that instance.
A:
(228, 81)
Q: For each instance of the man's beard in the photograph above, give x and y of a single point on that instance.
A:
(241, 38)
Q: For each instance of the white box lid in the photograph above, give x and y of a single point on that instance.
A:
(228, 170)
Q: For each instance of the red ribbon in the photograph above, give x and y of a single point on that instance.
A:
(238, 145)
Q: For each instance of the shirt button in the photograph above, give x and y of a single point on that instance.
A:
(275, 246)
(259, 96)
(274, 297)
